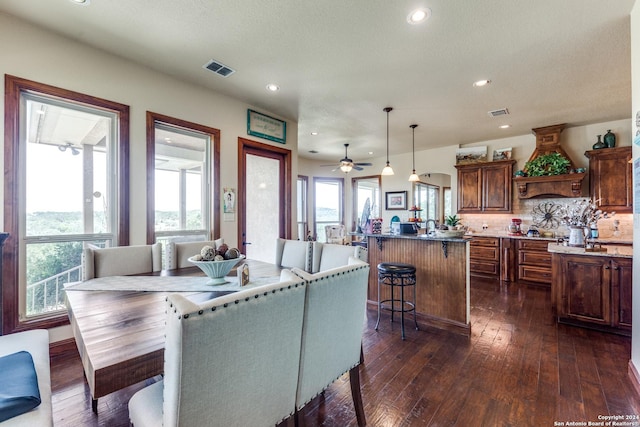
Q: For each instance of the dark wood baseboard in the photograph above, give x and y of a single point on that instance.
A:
(60, 347)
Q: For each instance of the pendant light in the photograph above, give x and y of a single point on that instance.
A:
(387, 169)
(413, 177)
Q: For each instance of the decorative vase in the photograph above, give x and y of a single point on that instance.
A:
(576, 236)
(610, 139)
(598, 145)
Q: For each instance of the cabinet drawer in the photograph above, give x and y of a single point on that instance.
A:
(484, 253)
(534, 245)
(535, 274)
(485, 241)
(542, 259)
(484, 267)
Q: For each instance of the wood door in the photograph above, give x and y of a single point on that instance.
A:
(469, 190)
(264, 198)
(610, 179)
(621, 284)
(496, 187)
(586, 293)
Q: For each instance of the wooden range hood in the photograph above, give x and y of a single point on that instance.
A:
(567, 185)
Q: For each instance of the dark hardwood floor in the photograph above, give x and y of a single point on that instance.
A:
(518, 368)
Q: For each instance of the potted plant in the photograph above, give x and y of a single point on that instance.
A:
(547, 165)
(452, 222)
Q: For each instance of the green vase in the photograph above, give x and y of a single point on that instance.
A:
(609, 139)
(598, 145)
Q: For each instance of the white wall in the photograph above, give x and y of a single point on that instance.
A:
(37, 55)
(635, 107)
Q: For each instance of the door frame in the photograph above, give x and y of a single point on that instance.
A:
(247, 146)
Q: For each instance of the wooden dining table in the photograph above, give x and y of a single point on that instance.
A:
(120, 335)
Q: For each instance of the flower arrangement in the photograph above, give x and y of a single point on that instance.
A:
(582, 213)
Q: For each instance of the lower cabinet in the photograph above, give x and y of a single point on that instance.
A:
(534, 261)
(593, 291)
(484, 257)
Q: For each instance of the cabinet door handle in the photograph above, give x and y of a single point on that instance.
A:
(616, 268)
(607, 267)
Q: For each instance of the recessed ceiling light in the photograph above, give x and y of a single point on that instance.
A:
(505, 126)
(481, 83)
(418, 16)
(370, 153)
(273, 87)
(81, 2)
(314, 133)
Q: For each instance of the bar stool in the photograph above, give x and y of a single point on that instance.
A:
(397, 275)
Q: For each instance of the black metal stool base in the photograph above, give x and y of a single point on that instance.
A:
(397, 275)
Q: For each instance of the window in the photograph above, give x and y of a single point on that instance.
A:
(301, 189)
(328, 204)
(63, 190)
(426, 197)
(446, 201)
(184, 171)
(366, 196)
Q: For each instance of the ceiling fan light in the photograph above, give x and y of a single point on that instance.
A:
(388, 170)
(346, 168)
(414, 177)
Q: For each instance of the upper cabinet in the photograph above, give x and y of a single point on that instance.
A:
(485, 187)
(610, 179)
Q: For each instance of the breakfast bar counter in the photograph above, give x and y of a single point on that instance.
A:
(442, 276)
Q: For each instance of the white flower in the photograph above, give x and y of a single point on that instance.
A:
(582, 213)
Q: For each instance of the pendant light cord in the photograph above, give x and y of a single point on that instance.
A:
(388, 109)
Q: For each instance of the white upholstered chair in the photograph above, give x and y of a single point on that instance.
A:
(326, 256)
(336, 234)
(121, 260)
(293, 253)
(331, 344)
(231, 361)
(177, 254)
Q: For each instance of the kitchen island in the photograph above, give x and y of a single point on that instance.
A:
(442, 276)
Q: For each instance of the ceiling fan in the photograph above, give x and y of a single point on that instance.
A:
(347, 164)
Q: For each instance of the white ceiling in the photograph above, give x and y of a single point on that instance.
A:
(339, 63)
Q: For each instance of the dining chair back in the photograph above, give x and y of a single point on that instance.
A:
(294, 253)
(336, 234)
(121, 260)
(332, 332)
(177, 254)
(230, 361)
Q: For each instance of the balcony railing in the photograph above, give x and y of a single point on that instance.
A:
(48, 295)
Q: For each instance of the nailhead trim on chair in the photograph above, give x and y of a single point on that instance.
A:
(273, 291)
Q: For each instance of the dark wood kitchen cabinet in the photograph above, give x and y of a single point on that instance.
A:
(610, 179)
(534, 261)
(593, 291)
(484, 257)
(485, 187)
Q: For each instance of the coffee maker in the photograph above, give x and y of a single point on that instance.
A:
(514, 228)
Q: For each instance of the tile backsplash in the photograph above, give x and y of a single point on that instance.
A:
(497, 223)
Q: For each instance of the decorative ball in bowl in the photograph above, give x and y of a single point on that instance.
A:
(216, 270)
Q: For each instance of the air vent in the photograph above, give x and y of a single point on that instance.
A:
(219, 68)
(500, 112)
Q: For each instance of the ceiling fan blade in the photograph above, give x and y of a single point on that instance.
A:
(363, 164)
(358, 168)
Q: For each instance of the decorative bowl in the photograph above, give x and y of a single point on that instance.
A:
(216, 270)
(450, 233)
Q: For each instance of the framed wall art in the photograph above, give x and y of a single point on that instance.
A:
(396, 200)
(266, 127)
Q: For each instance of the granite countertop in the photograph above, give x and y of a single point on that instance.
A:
(604, 241)
(414, 237)
(611, 250)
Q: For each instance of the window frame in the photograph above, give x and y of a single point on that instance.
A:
(354, 193)
(214, 173)
(302, 201)
(13, 256)
(340, 182)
